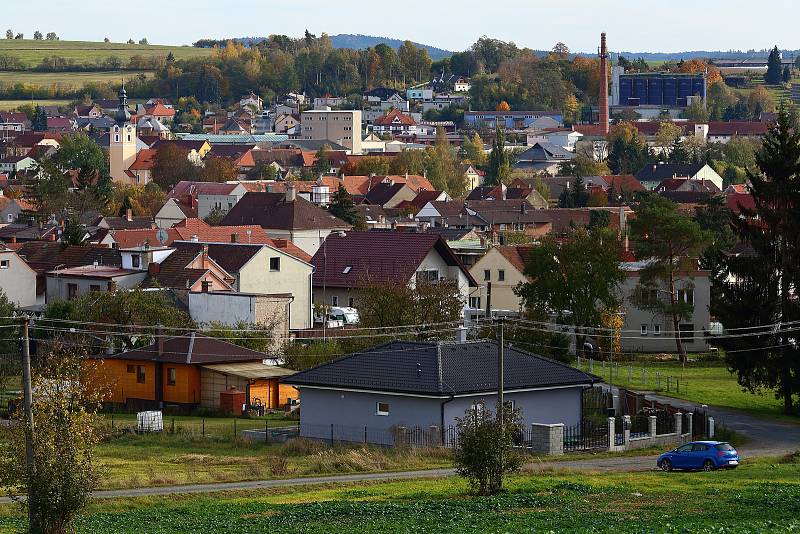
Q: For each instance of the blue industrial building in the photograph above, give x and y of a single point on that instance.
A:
(510, 120)
(659, 89)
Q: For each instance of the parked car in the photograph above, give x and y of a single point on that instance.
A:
(705, 455)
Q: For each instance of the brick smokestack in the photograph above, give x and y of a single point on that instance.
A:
(603, 101)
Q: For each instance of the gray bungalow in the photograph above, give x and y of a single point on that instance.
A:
(367, 395)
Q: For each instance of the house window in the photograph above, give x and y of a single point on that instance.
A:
(4, 264)
(334, 300)
(136, 261)
(477, 408)
(72, 291)
(275, 264)
(687, 332)
(131, 368)
(94, 287)
(686, 295)
(140, 378)
(206, 286)
(428, 276)
(656, 329)
(381, 408)
(171, 375)
(351, 302)
(116, 138)
(487, 275)
(475, 302)
(501, 275)
(644, 329)
(10, 217)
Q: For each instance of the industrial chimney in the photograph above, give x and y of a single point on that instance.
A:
(603, 101)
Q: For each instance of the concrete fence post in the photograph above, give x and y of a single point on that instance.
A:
(602, 364)
(658, 380)
(710, 427)
(689, 424)
(630, 374)
(626, 430)
(612, 433)
(643, 376)
(679, 423)
(651, 426)
(591, 365)
(547, 439)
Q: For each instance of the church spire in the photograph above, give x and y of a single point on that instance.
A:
(123, 115)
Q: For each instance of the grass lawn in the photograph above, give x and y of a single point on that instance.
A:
(763, 496)
(701, 382)
(67, 79)
(32, 52)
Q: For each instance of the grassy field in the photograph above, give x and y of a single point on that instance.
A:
(32, 52)
(67, 79)
(701, 382)
(8, 105)
(763, 496)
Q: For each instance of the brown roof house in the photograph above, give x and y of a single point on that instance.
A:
(503, 267)
(356, 259)
(286, 216)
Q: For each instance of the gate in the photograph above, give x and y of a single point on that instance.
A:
(586, 436)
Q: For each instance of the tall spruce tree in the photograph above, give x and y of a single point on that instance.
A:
(761, 286)
(343, 207)
(774, 74)
(499, 160)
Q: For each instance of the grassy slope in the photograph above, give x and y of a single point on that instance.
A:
(32, 52)
(66, 79)
(701, 382)
(763, 496)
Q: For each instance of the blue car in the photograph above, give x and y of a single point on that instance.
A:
(705, 455)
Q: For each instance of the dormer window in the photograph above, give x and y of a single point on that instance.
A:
(347, 269)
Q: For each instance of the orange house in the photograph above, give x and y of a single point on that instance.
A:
(192, 371)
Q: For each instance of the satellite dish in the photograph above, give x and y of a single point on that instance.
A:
(162, 236)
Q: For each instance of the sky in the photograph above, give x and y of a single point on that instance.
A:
(632, 25)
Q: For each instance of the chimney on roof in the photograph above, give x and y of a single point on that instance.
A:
(129, 215)
(291, 193)
(603, 100)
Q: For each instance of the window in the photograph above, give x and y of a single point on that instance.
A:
(4, 264)
(205, 286)
(477, 408)
(334, 300)
(351, 302)
(10, 217)
(94, 287)
(136, 261)
(381, 408)
(687, 332)
(487, 275)
(428, 276)
(116, 138)
(644, 329)
(275, 264)
(171, 376)
(347, 269)
(685, 448)
(475, 302)
(131, 368)
(656, 329)
(140, 378)
(72, 291)
(501, 275)
(686, 295)
(699, 447)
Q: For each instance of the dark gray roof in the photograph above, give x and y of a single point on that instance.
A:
(658, 172)
(545, 152)
(426, 368)
(310, 145)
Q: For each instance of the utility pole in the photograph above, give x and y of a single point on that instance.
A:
(500, 374)
(28, 405)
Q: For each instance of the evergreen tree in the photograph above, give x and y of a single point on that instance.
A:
(579, 194)
(39, 120)
(760, 285)
(322, 164)
(343, 207)
(678, 153)
(499, 160)
(774, 73)
(787, 74)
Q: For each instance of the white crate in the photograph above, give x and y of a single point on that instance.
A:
(149, 421)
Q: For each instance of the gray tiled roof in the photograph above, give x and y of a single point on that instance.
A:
(426, 368)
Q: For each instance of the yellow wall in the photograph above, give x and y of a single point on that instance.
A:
(124, 385)
(187, 384)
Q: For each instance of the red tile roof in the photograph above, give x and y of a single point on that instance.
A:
(394, 117)
(738, 201)
(516, 255)
(145, 160)
(623, 183)
(160, 110)
(740, 128)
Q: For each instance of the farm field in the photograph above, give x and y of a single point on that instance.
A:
(32, 52)
(762, 496)
(66, 79)
(8, 105)
(702, 382)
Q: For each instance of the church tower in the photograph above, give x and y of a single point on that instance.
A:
(122, 141)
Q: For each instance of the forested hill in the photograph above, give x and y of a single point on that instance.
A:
(360, 42)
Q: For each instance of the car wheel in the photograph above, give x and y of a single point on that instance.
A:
(666, 465)
(708, 465)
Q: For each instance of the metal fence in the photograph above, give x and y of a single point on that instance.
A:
(224, 428)
(586, 436)
(640, 425)
(665, 423)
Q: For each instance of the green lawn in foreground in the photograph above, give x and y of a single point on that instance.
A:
(760, 497)
(701, 382)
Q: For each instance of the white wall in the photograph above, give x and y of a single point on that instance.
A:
(18, 281)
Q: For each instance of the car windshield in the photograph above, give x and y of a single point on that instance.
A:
(725, 447)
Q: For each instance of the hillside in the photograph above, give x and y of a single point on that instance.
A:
(359, 42)
(31, 52)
